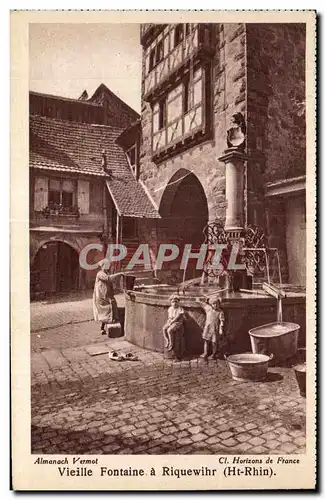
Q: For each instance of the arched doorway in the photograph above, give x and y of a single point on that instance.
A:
(55, 268)
(184, 213)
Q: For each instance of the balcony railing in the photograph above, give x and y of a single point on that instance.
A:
(197, 42)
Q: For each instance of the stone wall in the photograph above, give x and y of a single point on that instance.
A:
(276, 94)
(275, 120)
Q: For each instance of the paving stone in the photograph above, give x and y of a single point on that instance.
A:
(184, 441)
(255, 432)
(127, 428)
(167, 439)
(250, 426)
(287, 448)
(213, 440)
(195, 429)
(184, 425)
(169, 430)
(256, 441)
(210, 431)
(111, 448)
(243, 437)
(300, 441)
(242, 448)
(184, 450)
(259, 449)
(229, 442)
(198, 437)
(272, 444)
(54, 359)
(152, 408)
(269, 436)
(284, 438)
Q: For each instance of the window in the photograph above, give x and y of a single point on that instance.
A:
(132, 157)
(67, 193)
(151, 59)
(161, 114)
(186, 97)
(156, 55)
(131, 153)
(61, 196)
(61, 193)
(178, 34)
(159, 52)
(181, 114)
(54, 192)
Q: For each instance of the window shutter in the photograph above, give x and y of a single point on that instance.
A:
(83, 197)
(40, 193)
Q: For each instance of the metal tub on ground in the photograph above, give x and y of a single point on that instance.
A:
(146, 313)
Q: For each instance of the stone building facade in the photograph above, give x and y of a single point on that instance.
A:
(195, 77)
(83, 188)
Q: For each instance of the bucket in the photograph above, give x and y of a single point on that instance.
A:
(279, 338)
(248, 366)
(128, 281)
(300, 375)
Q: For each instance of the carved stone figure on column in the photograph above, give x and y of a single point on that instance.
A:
(236, 135)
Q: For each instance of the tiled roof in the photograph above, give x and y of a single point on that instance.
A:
(103, 92)
(68, 146)
(60, 98)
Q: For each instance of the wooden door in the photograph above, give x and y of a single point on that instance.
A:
(67, 268)
(296, 239)
(46, 265)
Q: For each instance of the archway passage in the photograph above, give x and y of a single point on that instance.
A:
(55, 269)
(184, 213)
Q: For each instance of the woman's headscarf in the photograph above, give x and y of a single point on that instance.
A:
(104, 264)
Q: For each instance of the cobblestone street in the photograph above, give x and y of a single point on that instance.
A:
(83, 402)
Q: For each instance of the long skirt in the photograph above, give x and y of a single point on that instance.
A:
(105, 309)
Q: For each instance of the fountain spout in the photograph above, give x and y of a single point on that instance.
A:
(278, 294)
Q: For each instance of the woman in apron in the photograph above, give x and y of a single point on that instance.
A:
(105, 306)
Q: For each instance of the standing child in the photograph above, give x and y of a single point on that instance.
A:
(174, 324)
(214, 325)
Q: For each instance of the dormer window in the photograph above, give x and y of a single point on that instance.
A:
(131, 153)
(132, 158)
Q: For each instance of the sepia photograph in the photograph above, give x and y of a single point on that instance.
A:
(167, 235)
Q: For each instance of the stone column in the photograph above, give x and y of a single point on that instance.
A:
(234, 176)
(234, 160)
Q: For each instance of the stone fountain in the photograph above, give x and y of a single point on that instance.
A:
(245, 303)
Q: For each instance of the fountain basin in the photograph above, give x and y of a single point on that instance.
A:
(146, 313)
(248, 366)
(279, 338)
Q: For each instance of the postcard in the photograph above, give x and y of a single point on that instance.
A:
(163, 242)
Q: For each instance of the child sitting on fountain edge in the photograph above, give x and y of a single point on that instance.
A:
(174, 322)
(214, 325)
